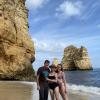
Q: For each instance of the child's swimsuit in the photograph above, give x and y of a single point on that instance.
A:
(54, 84)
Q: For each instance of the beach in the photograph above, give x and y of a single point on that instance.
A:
(19, 90)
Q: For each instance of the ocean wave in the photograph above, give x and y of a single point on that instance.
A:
(83, 88)
(78, 88)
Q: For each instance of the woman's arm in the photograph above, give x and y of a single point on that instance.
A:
(64, 80)
(56, 77)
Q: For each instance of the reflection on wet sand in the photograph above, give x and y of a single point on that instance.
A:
(73, 96)
(15, 91)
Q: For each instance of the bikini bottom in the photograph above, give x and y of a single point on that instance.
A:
(53, 85)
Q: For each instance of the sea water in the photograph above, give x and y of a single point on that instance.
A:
(84, 81)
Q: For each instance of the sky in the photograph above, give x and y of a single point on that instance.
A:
(56, 24)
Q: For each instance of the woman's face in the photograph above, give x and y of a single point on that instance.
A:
(53, 69)
(59, 67)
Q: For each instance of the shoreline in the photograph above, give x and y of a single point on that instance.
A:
(28, 91)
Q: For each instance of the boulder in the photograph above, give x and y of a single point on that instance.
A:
(76, 58)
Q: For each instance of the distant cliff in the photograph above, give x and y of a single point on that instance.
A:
(76, 58)
(16, 47)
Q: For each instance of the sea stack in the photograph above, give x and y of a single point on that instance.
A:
(76, 59)
(17, 51)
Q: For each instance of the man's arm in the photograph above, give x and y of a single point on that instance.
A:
(52, 80)
(38, 87)
(38, 74)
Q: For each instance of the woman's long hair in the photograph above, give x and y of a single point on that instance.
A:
(61, 68)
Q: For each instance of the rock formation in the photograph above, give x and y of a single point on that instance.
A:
(76, 58)
(16, 47)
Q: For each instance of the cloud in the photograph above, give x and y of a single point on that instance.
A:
(98, 25)
(48, 46)
(35, 4)
(68, 9)
(40, 45)
(38, 19)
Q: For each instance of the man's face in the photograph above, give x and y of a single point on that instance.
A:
(46, 64)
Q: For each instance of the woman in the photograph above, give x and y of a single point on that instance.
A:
(53, 85)
(62, 82)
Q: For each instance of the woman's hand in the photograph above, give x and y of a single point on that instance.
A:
(59, 82)
(65, 90)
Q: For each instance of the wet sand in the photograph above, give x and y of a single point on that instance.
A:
(27, 91)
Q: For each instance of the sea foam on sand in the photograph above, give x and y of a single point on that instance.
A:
(76, 92)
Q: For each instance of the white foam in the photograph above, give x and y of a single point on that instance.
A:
(83, 88)
(31, 83)
(74, 87)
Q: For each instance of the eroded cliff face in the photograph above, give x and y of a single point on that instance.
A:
(16, 47)
(76, 58)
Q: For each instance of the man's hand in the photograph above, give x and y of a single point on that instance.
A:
(38, 87)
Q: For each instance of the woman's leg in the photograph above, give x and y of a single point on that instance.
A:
(56, 92)
(63, 93)
(52, 94)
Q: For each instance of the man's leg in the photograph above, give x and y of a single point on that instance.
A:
(41, 93)
(46, 89)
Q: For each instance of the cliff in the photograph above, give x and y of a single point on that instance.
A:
(16, 47)
(76, 58)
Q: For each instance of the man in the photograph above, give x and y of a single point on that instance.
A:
(42, 84)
